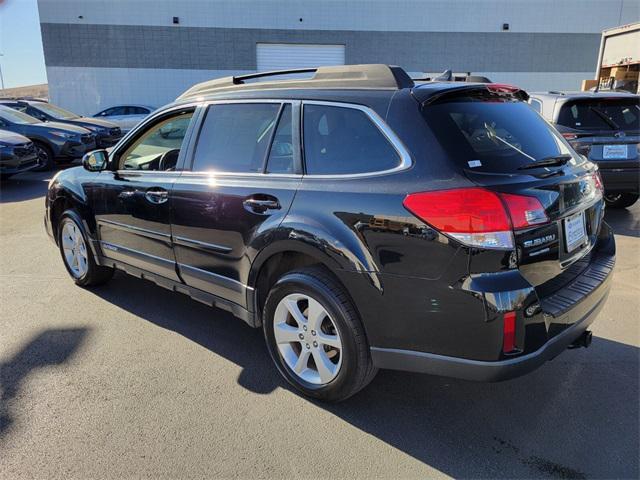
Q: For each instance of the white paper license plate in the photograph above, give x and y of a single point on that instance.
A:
(575, 232)
(610, 152)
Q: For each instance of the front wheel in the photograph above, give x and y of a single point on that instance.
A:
(76, 254)
(315, 337)
(46, 158)
(620, 200)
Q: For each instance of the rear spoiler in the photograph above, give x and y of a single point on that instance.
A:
(428, 96)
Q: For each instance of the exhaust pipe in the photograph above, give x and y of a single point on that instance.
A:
(583, 340)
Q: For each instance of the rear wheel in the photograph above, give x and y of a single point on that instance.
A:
(620, 200)
(76, 254)
(46, 158)
(315, 336)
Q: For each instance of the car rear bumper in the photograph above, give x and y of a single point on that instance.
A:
(567, 313)
(621, 180)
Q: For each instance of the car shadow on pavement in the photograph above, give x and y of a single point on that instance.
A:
(50, 347)
(575, 417)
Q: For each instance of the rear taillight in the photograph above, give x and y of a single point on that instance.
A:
(570, 136)
(597, 181)
(524, 211)
(502, 88)
(509, 332)
(476, 217)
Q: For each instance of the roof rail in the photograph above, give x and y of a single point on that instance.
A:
(368, 76)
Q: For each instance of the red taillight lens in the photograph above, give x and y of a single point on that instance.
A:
(524, 211)
(502, 88)
(465, 210)
(475, 216)
(509, 332)
(570, 136)
(597, 180)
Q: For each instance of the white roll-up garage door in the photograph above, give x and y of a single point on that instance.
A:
(284, 56)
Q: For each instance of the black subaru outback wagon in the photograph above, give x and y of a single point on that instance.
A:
(361, 220)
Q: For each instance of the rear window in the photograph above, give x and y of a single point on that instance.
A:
(610, 114)
(491, 133)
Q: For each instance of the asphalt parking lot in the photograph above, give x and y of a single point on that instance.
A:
(130, 380)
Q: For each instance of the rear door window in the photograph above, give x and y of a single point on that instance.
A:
(342, 140)
(235, 137)
(601, 114)
(485, 132)
(281, 152)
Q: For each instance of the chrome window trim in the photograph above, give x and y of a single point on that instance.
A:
(204, 106)
(405, 157)
(151, 118)
(378, 121)
(215, 173)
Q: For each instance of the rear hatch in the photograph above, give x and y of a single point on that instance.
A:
(604, 129)
(554, 196)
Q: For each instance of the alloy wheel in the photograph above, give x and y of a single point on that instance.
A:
(307, 339)
(75, 249)
(43, 155)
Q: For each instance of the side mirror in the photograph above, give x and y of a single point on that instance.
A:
(95, 161)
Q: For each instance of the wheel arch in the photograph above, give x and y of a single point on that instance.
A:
(283, 256)
(60, 200)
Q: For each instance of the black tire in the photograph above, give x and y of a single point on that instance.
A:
(621, 200)
(356, 369)
(95, 274)
(46, 158)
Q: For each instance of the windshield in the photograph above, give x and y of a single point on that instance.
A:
(492, 134)
(14, 116)
(55, 111)
(601, 114)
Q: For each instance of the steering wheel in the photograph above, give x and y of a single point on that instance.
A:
(168, 160)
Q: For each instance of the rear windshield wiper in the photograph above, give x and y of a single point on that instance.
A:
(552, 161)
(604, 117)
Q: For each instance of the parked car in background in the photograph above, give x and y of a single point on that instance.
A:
(107, 134)
(17, 154)
(52, 140)
(125, 116)
(361, 220)
(605, 128)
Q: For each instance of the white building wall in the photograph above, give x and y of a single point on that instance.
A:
(567, 16)
(85, 82)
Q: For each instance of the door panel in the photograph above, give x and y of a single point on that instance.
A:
(133, 224)
(220, 220)
(214, 231)
(134, 215)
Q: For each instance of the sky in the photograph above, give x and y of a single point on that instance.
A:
(21, 57)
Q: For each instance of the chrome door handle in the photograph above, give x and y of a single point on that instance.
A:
(157, 196)
(261, 205)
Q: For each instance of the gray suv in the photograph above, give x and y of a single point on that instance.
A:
(605, 128)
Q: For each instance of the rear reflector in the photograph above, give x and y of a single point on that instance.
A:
(475, 216)
(509, 332)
